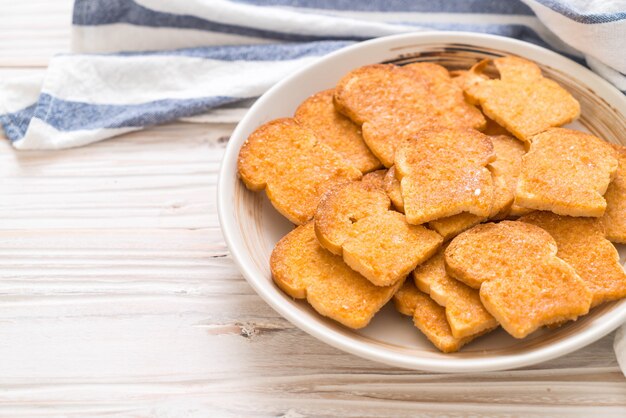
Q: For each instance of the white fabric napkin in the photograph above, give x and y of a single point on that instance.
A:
(138, 63)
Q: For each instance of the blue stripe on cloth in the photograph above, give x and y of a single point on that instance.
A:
(16, 123)
(521, 32)
(421, 6)
(65, 115)
(570, 12)
(260, 52)
(103, 12)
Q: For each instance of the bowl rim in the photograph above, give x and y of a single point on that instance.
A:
(273, 296)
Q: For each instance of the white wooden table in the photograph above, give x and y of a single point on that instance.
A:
(118, 296)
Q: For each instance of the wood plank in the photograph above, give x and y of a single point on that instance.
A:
(33, 31)
(164, 307)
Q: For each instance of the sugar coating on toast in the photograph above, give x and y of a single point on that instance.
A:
(522, 100)
(505, 172)
(393, 103)
(582, 244)
(336, 130)
(464, 311)
(342, 206)
(443, 172)
(385, 248)
(391, 184)
(428, 317)
(522, 282)
(566, 172)
(448, 99)
(387, 103)
(614, 218)
(354, 220)
(293, 167)
(303, 269)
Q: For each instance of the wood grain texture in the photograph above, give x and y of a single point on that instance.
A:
(118, 296)
(32, 31)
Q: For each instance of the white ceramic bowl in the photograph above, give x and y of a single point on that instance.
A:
(251, 226)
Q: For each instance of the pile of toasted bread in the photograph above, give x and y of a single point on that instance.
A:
(458, 195)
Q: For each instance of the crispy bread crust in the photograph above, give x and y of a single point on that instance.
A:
(522, 282)
(295, 169)
(303, 269)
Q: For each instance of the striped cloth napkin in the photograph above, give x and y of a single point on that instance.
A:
(137, 63)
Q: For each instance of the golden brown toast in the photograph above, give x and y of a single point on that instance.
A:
(443, 172)
(522, 282)
(303, 269)
(387, 102)
(464, 311)
(295, 169)
(375, 179)
(391, 184)
(614, 218)
(451, 226)
(582, 244)
(505, 171)
(447, 97)
(493, 129)
(467, 78)
(335, 130)
(385, 248)
(354, 220)
(522, 101)
(341, 207)
(428, 317)
(517, 211)
(393, 103)
(566, 172)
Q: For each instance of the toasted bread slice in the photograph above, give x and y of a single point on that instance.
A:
(385, 248)
(375, 179)
(464, 311)
(466, 79)
(303, 269)
(522, 282)
(614, 218)
(448, 99)
(335, 130)
(387, 102)
(493, 129)
(393, 103)
(451, 226)
(429, 318)
(582, 244)
(522, 101)
(566, 172)
(443, 172)
(391, 184)
(517, 211)
(295, 169)
(505, 171)
(341, 207)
